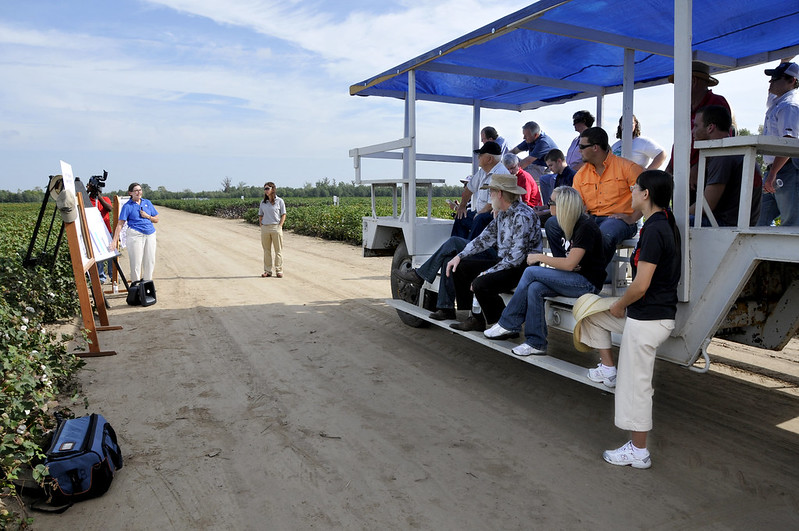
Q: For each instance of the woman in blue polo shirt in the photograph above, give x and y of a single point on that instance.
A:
(139, 214)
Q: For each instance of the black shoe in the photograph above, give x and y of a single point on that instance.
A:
(442, 314)
(472, 323)
(409, 275)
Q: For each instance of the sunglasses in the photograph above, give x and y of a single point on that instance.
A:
(551, 203)
(585, 146)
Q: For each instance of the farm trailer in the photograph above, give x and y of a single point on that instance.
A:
(740, 283)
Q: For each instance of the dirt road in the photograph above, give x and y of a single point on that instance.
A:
(304, 403)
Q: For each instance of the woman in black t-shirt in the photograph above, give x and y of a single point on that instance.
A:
(651, 304)
(581, 271)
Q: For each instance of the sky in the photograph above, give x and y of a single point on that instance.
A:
(185, 93)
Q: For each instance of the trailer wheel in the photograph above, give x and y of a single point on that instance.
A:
(403, 290)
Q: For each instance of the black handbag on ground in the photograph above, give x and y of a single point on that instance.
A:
(141, 293)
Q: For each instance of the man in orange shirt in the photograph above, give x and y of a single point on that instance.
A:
(604, 182)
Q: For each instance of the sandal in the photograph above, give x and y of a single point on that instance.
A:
(266, 275)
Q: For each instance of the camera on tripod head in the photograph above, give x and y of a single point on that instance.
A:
(98, 181)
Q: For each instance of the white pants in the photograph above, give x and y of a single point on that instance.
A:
(141, 253)
(639, 343)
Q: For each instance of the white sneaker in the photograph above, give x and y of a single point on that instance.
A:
(497, 332)
(603, 374)
(628, 455)
(527, 350)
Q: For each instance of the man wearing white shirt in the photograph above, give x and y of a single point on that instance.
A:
(781, 185)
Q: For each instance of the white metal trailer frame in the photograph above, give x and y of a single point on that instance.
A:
(722, 267)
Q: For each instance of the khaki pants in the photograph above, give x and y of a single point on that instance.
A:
(272, 236)
(639, 343)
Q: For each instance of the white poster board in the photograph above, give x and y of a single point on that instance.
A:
(99, 234)
(69, 184)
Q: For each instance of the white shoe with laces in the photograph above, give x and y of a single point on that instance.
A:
(628, 455)
(603, 374)
(497, 332)
(527, 350)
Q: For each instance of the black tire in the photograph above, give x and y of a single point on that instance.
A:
(403, 290)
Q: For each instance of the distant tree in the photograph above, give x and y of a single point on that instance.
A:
(227, 182)
(743, 131)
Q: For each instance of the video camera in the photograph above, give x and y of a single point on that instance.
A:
(98, 181)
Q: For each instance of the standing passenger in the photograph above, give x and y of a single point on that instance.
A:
(271, 216)
(781, 186)
(701, 96)
(651, 305)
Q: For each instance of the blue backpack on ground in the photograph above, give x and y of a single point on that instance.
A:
(82, 459)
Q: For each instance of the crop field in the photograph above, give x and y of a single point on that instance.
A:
(37, 369)
(311, 216)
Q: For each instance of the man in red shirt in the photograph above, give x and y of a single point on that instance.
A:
(532, 197)
(701, 96)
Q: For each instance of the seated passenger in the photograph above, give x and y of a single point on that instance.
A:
(532, 196)
(488, 161)
(581, 120)
(579, 270)
(515, 233)
(563, 176)
(723, 174)
(537, 144)
(604, 183)
(489, 134)
(645, 152)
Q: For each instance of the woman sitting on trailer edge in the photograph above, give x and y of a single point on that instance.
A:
(580, 271)
(651, 305)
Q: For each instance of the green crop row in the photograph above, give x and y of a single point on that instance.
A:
(312, 216)
(36, 367)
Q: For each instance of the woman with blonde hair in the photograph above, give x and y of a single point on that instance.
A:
(271, 216)
(580, 271)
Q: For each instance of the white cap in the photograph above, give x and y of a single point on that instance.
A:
(67, 205)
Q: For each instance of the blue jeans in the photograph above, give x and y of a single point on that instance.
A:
(783, 203)
(527, 304)
(105, 269)
(438, 262)
(480, 222)
(614, 231)
(463, 226)
(545, 185)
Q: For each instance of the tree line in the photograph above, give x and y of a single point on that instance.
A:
(322, 188)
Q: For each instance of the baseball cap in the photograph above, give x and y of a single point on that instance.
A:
(784, 69)
(67, 206)
(489, 147)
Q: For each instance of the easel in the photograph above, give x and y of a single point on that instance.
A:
(80, 266)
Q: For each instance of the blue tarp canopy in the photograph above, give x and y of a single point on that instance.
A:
(555, 51)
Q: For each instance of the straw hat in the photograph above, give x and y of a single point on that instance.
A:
(586, 305)
(702, 71)
(505, 182)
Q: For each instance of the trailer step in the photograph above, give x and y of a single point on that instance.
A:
(556, 365)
